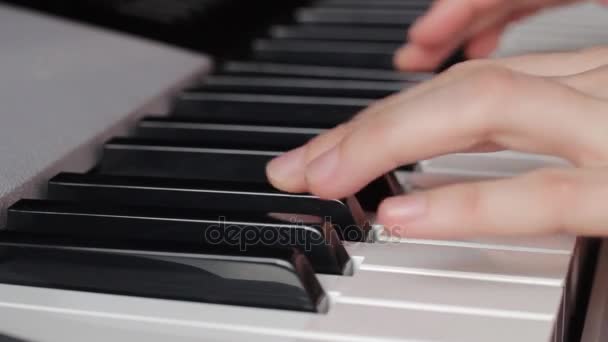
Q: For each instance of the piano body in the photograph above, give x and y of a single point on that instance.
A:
(105, 251)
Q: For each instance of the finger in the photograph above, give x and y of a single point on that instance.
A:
(496, 106)
(485, 42)
(545, 64)
(542, 64)
(450, 20)
(447, 25)
(416, 57)
(287, 172)
(543, 202)
(450, 23)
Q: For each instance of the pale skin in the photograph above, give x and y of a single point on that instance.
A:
(554, 104)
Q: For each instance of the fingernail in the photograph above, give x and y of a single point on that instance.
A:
(287, 165)
(404, 209)
(323, 167)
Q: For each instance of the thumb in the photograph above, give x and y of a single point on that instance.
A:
(542, 202)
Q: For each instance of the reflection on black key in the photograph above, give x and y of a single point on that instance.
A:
(342, 32)
(359, 16)
(308, 111)
(242, 229)
(238, 68)
(326, 52)
(183, 130)
(346, 215)
(151, 158)
(299, 86)
(268, 278)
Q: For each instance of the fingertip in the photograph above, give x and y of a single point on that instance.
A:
(403, 209)
(287, 172)
(402, 59)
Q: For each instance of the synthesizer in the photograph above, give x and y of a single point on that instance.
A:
(119, 152)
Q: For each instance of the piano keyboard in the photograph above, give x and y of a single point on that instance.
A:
(140, 222)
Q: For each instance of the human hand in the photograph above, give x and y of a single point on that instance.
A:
(451, 23)
(553, 104)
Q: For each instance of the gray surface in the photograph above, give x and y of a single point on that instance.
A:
(568, 28)
(64, 88)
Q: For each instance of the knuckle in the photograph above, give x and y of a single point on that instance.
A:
(488, 90)
(492, 81)
(321, 143)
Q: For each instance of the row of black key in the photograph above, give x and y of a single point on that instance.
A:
(182, 209)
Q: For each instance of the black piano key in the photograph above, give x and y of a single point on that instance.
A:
(326, 52)
(347, 215)
(270, 137)
(260, 137)
(340, 33)
(183, 130)
(299, 86)
(240, 68)
(225, 161)
(5, 338)
(308, 111)
(377, 191)
(152, 158)
(268, 278)
(243, 229)
(391, 17)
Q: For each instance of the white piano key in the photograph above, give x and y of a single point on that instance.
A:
(421, 325)
(72, 316)
(562, 244)
(554, 244)
(494, 299)
(469, 263)
(491, 165)
(469, 167)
